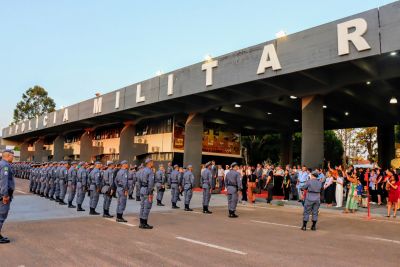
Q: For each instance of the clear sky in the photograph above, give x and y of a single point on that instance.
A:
(75, 48)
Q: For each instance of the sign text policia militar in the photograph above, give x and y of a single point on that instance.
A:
(355, 37)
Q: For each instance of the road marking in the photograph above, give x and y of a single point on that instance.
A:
(22, 192)
(211, 245)
(383, 239)
(277, 224)
(113, 220)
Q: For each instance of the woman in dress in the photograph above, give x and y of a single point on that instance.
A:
(286, 185)
(352, 201)
(392, 186)
(329, 188)
(379, 186)
(251, 184)
(339, 188)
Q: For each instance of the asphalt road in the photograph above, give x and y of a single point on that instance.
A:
(263, 235)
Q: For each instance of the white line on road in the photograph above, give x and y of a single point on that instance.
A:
(277, 224)
(22, 192)
(211, 245)
(127, 224)
(383, 239)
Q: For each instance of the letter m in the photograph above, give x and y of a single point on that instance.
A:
(97, 103)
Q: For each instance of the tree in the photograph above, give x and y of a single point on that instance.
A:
(35, 102)
(366, 138)
(397, 133)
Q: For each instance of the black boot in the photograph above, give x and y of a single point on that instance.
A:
(187, 208)
(80, 208)
(159, 203)
(234, 214)
(130, 197)
(120, 218)
(106, 214)
(93, 212)
(205, 210)
(70, 205)
(230, 214)
(57, 199)
(304, 228)
(174, 206)
(146, 225)
(51, 198)
(61, 202)
(313, 227)
(137, 198)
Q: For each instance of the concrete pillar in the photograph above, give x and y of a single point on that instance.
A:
(386, 145)
(59, 153)
(312, 136)
(193, 144)
(286, 155)
(24, 154)
(39, 155)
(126, 146)
(86, 146)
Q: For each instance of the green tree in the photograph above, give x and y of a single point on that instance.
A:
(397, 133)
(35, 102)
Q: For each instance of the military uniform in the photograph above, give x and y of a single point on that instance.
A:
(131, 183)
(94, 188)
(121, 182)
(62, 180)
(206, 184)
(188, 184)
(57, 182)
(160, 186)
(174, 182)
(72, 178)
(7, 187)
(146, 181)
(107, 188)
(138, 173)
(81, 185)
(233, 186)
(312, 201)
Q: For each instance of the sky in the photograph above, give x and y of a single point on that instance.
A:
(76, 48)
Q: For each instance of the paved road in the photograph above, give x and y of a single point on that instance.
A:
(262, 236)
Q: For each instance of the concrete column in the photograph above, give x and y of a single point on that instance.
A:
(386, 145)
(24, 154)
(59, 153)
(126, 146)
(86, 146)
(286, 155)
(193, 144)
(39, 154)
(312, 136)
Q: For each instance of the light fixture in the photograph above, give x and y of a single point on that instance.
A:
(324, 106)
(159, 73)
(346, 113)
(269, 113)
(280, 34)
(208, 57)
(393, 100)
(237, 106)
(368, 82)
(296, 120)
(393, 53)
(293, 97)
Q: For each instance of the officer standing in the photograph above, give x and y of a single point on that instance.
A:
(81, 185)
(233, 186)
(131, 182)
(312, 201)
(160, 184)
(206, 184)
(188, 184)
(62, 177)
(138, 173)
(72, 176)
(146, 181)
(7, 187)
(174, 182)
(108, 188)
(57, 182)
(94, 187)
(52, 177)
(121, 182)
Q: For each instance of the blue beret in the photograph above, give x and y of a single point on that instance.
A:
(234, 164)
(74, 162)
(176, 166)
(124, 162)
(208, 164)
(189, 166)
(9, 151)
(82, 163)
(97, 162)
(148, 160)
